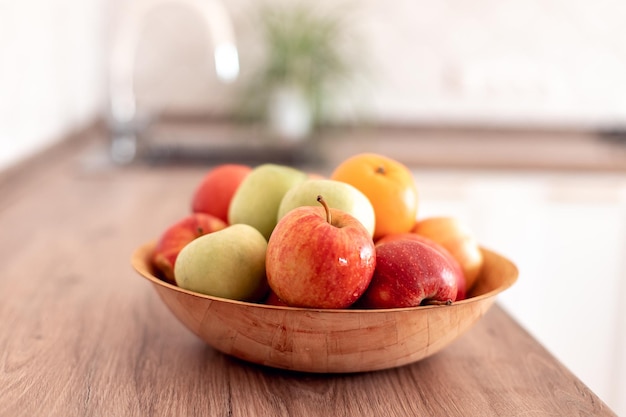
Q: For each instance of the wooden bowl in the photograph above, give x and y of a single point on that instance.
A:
(328, 341)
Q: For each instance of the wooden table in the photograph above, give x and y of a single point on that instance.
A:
(82, 334)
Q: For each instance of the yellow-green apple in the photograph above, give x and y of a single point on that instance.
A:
(458, 272)
(177, 236)
(216, 189)
(320, 258)
(338, 195)
(458, 239)
(409, 273)
(229, 263)
(258, 197)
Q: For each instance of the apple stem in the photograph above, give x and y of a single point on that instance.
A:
(321, 200)
(200, 230)
(437, 303)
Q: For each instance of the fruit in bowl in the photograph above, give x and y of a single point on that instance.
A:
(320, 258)
(217, 188)
(410, 273)
(457, 238)
(461, 283)
(229, 263)
(337, 194)
(177, 236)
(257, 199)
(292, 285)
(388, 184)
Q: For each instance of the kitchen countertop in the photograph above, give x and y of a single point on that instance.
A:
(83, 334)
(417, 146)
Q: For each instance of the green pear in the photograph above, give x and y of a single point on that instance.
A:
(337, 194)
(229, 263)
(258, 197)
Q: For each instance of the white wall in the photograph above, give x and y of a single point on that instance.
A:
(51, 72)
(515, 62)
(546, 62)
(512, 61)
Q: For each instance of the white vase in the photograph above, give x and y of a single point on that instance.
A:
(290, 114)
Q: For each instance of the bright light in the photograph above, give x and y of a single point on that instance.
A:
(227, 62)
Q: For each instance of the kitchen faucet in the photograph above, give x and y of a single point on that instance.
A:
(123, 121)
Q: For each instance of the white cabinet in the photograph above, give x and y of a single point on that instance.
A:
(567, 235)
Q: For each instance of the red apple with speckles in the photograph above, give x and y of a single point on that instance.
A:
(177, 236)
(458, 271)
(319, 257)
(409, 273)
(216, 190)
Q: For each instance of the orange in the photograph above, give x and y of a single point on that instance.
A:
(390, 187)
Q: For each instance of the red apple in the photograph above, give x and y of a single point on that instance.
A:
(217, 188)
(177, 236)
(458, 271)
(319, 258)
(458, 239)
(409, 273)
(273, 300)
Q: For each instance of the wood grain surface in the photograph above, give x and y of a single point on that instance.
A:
(328, 341)
(82, 335)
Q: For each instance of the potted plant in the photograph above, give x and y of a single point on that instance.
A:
(302, 66)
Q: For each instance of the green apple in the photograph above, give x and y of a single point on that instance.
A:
(229, 263)
(258, 197)
(337, 194)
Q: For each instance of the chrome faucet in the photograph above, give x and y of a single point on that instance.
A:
(123, 121)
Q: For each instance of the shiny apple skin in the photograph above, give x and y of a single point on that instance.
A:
(458, 240)
(312, 263)
(408, 274)
(458, 271)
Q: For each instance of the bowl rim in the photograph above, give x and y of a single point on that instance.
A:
(139, 261)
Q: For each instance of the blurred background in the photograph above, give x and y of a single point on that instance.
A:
(512, 115)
